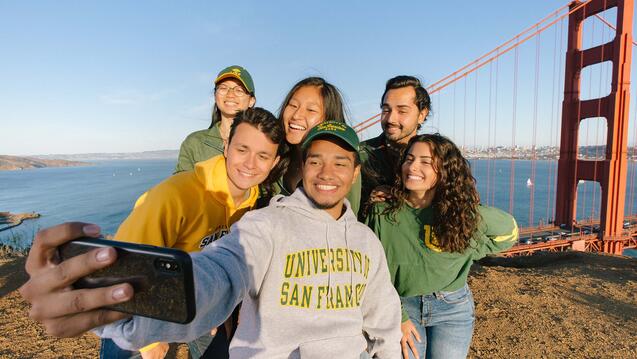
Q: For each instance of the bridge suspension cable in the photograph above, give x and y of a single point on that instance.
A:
(490, 56)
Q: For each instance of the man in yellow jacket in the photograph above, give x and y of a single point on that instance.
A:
(194, 208)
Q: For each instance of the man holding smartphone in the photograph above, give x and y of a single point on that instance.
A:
(313, 280)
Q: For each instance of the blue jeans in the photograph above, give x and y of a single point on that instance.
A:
(110, 350)
(444, 321)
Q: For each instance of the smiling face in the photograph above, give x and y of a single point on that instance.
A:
(226, 98)
(304, 111)
(329, 170)
(400, 115)
(418, 170)
(250, 156)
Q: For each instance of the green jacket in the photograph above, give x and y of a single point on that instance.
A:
(378, 167)
(199, 146)
(417, 266)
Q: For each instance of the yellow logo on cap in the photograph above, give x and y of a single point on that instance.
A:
(331, 126)
(236, 71)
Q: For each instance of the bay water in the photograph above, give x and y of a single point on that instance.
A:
(104, 193)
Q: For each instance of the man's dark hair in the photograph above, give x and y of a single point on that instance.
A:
(423, 101)
(264, 121)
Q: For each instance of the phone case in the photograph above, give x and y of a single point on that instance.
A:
(162, 278)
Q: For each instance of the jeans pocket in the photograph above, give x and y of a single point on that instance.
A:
(459, 296)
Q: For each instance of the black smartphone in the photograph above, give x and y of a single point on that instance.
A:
(162, 278)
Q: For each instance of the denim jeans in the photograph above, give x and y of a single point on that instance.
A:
(444, 321)
(110, 350)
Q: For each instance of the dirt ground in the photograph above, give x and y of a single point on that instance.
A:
(560, 305)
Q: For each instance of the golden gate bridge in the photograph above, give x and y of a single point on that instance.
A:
(560, 86)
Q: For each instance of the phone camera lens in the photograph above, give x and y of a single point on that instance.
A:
(167, 266)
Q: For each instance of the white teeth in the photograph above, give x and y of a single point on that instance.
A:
(415, 178)
(325, 187)
(297, 127)
(247, 174)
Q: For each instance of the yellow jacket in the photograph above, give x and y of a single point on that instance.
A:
(187, 210)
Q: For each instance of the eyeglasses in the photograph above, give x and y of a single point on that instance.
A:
(223, 90)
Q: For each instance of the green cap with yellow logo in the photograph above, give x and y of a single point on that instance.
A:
(239, 73)
(333, 129)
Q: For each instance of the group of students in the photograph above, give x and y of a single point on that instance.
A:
(311, 279)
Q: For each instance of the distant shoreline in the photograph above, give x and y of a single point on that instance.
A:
(15, 163)
(541, 153)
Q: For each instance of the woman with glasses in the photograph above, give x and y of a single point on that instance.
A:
(234, 92)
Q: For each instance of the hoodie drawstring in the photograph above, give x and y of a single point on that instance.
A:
(329, 255)
(349, 261)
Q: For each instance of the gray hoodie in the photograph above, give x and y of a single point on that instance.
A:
(311, 286)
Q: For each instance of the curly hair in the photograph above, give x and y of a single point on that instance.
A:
(456, 198)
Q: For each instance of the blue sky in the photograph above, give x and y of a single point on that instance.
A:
(123, 76)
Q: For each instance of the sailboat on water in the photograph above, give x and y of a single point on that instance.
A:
(529, 183)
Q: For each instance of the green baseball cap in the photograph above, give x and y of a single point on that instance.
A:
(334, 129)
(239, 73)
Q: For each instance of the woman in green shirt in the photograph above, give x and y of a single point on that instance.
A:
(432, 229)
(234, 92)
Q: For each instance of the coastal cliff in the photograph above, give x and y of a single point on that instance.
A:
(11, 163)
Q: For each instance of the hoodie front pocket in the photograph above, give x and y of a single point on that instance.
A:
(337, 347)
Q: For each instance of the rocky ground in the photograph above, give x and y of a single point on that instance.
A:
(562, 305)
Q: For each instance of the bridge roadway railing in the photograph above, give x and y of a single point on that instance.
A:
(584, 236)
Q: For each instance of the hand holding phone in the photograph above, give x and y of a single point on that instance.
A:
(161, 277)
(63, 311)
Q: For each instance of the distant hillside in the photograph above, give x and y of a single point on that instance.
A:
(8, 163)
(146, 155)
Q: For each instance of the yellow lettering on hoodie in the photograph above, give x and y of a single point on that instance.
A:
(315, 260)
(339, 298)
(294, 297)
(330, 299)
(284, 293)
(306, 298)
(312, 262)
(300, 265)
(289, 266)
(321, 294)
(339, 260)
(323, 254)
(348, 296)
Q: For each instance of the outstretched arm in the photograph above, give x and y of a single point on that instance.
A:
(497, 231)
(224, 272)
